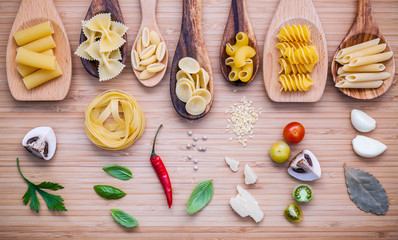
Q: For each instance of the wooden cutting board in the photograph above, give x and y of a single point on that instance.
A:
(77, 163)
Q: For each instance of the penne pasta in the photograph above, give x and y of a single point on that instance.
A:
(371, 84)
(33, 59)
(360, 61)
(41, 44)
(364, 52)
(375, 67)
(41, 76)
(355, 48)
(33, 33)
(26, 70)
(366, 77)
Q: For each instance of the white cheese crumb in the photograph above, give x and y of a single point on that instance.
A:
(233, 164)
(250, 175)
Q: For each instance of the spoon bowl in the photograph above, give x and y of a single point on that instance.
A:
(238, 21)
(148, 8)
(364, 28)
(103, 6)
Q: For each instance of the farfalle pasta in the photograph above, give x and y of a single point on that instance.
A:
(103, 41)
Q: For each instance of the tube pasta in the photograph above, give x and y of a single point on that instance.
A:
(364, 52)
(25, 70)
(247, 71)
(33, 59)
(106, 127)
(360, 61)
(357, 47)
(376, 67)
(242, 54)
(41, 76)
(296, 82)
(41, 44)
(346, 84)
(241, 39)
(366, 77)
(294, 33)
(33, 33)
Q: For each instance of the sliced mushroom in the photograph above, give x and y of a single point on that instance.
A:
(305, 166)
(41, 142)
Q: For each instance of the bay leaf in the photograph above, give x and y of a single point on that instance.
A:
(366, 191)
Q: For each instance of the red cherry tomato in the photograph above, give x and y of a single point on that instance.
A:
(294, 132)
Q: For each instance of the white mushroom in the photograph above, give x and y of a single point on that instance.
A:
(362, 121)
(41, 142)
(250, 175)
(367, 147)
(305, 166)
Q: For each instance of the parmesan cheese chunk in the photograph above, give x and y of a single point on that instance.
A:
(233, 164)
(250, 175)
(245, 205)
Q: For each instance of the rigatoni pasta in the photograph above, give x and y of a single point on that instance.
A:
(41, 76)
(33, 33)
(25, 70)
(33, 59)
(41, 44)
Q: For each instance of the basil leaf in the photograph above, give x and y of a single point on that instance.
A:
(366, 191)
(124, 218)
(109, 192)
(118, 172)
(200, 196)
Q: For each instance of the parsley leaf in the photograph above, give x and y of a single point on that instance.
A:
(54, 202)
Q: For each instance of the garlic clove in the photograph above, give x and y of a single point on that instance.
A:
(41, 142)
(362, 121)
(305, 166)
(232, 163)
(250, 175)
(367, 147)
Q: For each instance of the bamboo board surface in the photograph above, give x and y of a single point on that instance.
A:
(77, 163)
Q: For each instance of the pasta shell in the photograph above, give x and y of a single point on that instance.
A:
(184, 91)
(145, 37)
(140, 68)
(135, 59)
(189, 65)
(207, 77)
(203, 93)
(148, 61)
(139, 45)
(182, 74)
(155, 67)
(160, 51)
(195, 105)
(154, 38)
(148, 52)
(202, 78)
(191, 84)
(146, 75)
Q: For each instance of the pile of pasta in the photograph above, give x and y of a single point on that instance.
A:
(239, 60)
(296, 57)
(35, 57)
(361, 65)
(104, 39)
(113, 120)
(148, 54)
(191, 87)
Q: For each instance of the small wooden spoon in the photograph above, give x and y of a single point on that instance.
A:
(238, 21)
(364, 28)
(148, 9)
(190, 44)
(32, 12)
(103, 6)
(295, 12)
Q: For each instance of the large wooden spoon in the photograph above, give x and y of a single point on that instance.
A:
(148, 9)
(238, 21)
(190, 44)
(32, 12)
(295, 12)
(103, 6)
(364, 28)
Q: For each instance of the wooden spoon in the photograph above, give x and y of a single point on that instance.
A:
(295, 12)
(364, 28)
(103, 6)
(148, 9)
(238, 21)
(32, 12)
(190, 44)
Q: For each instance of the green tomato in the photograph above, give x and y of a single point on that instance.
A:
(293, 213)
(303, 193)
(280, 152)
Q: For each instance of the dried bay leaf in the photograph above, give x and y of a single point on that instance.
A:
(366, 191)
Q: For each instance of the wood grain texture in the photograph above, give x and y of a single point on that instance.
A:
(103, 6)
(77, 164)
(148, 12)
(58, 88)
(364, 28)
(295, 12)
(191, 44)
(238, 21)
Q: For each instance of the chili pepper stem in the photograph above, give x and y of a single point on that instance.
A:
(154, 141)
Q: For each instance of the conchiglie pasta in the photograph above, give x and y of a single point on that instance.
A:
(295, 82)
(294, 33)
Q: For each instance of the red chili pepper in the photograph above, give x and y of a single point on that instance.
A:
(161, 171)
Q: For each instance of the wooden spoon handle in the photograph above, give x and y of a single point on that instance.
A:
(148, 9)
(239, 13)
(192, 17)
(109, 6)
(364, 11)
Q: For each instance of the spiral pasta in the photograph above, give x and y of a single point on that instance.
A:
(119, 131)
(303, 55)
(294, 33)
(282, 46)
(289, 68)
(295, 82)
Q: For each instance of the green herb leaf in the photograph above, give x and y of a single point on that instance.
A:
(118, 171)
(54, 202)
(366, 191)
(124, 218)
(200, 196)
(109, 192)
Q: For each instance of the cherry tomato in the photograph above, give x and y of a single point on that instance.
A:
(303, 193)
(294, 132)
(293, 213)
(280, 152)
